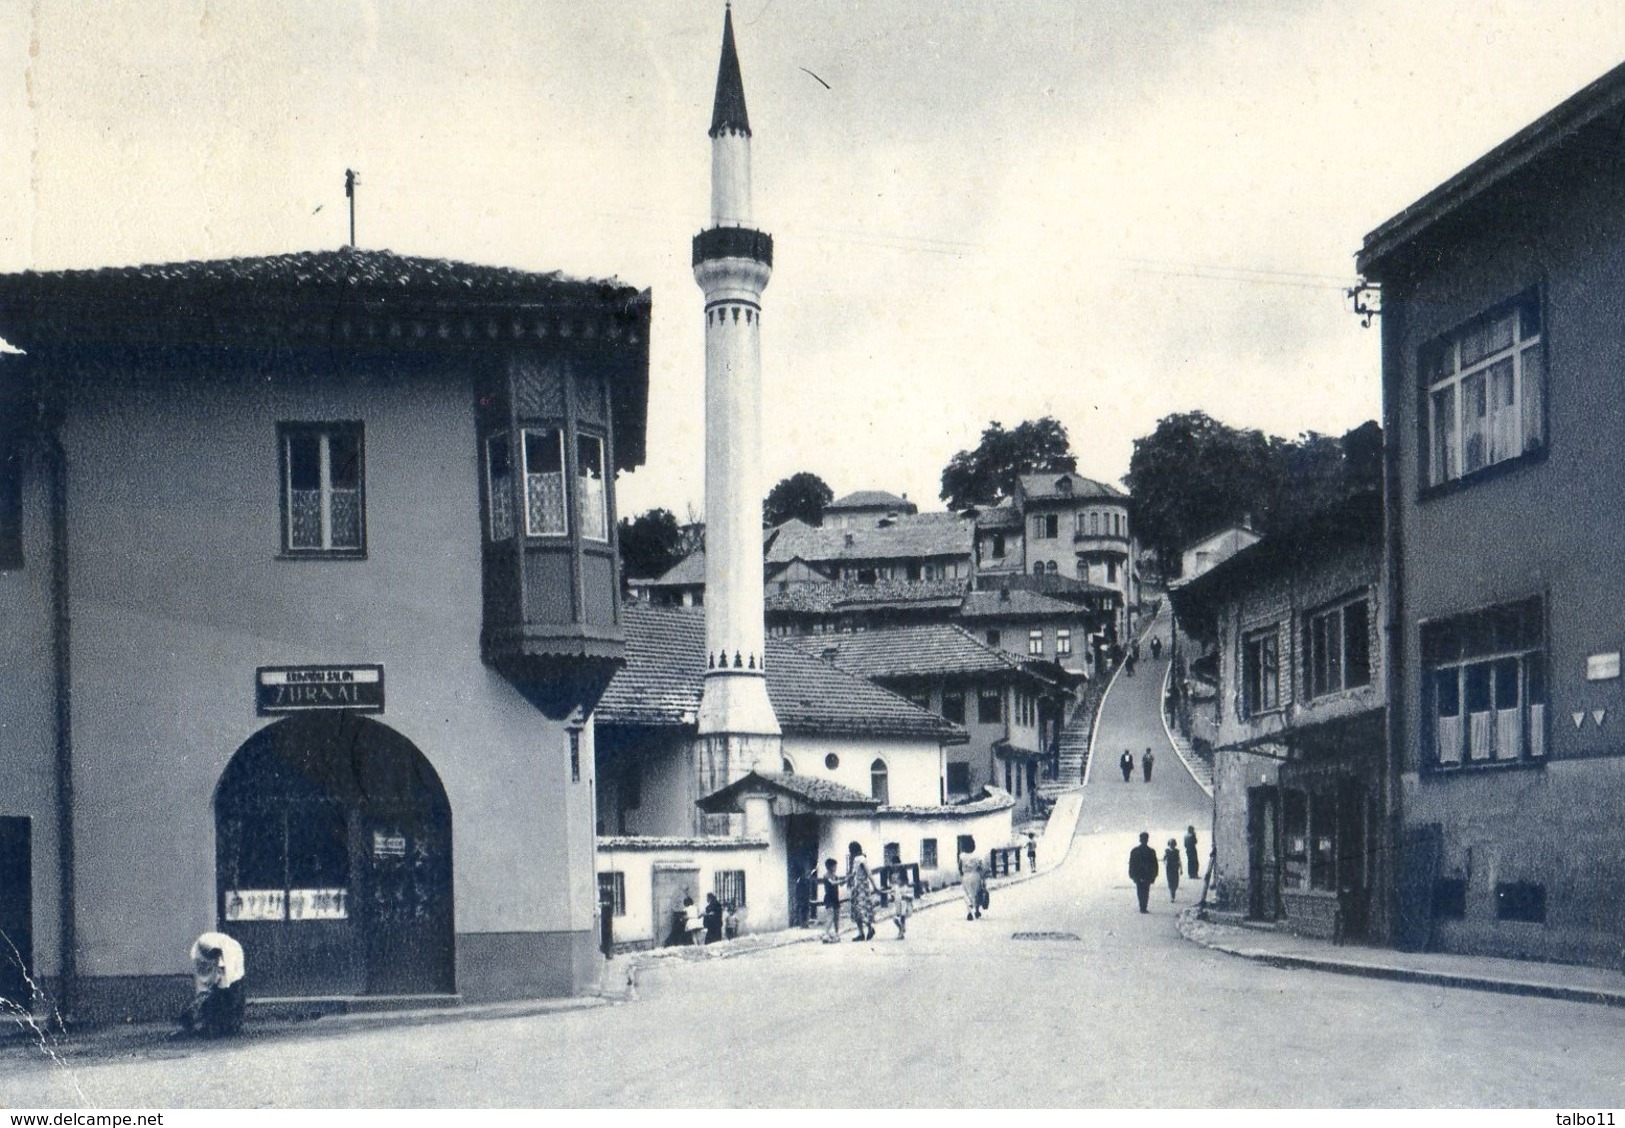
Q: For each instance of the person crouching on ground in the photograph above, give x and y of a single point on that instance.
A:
(1170, 869)
(218, 1000)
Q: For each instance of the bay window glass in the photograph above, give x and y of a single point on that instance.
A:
(592, 506)
(499, 486)
(544, 482)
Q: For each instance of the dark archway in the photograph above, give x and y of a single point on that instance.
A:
(333, 860)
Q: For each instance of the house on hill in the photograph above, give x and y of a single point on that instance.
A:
(858, 763)
(1077, 527)
(920, 546)
(308, 571)
(866, 509)
(1011, 708)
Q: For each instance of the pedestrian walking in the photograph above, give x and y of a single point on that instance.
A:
(1134, 650)
(1146, 762)
(1170, 869)
(1142, 869)
(903, 903)
(861, 890)
(829, 912)
(973, 880)
(1190, 853)
(1156, 648)
(1126, 764)
(1128, 665)
(1032, 853)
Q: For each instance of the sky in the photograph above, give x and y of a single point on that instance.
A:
(1105, 211)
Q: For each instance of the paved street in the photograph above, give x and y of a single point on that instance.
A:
(961, 1014)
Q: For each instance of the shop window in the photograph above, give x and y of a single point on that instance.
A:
(958, 777)
(612, 891)
(878, 788)
(928, 853)
(323, 506)
(1035, 643)
(1294, 840)
(1450, 898)
(1520, 900)
(1485, 390)
(1484, 686)
(729, 886)
(1337, 648)
(990, 707)
(1323, 837)
(1260, 673)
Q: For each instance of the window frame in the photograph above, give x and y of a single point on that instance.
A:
(1472, 653)
(1035, 642)
(565, 493)
(724, 882)
(1523, 310)
(880, 781)
(1254, 701)
(1317, 679)
(1063, 642)
(617, 891)
(324, 431)
(982, 698)
(958, 706)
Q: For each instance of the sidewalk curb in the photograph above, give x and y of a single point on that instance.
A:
(1331, 965)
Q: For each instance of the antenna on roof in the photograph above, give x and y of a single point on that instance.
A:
(349, 194)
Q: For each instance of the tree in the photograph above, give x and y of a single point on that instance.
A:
(651, 543)
(1193, 475)
(802, 496)
(988, 474)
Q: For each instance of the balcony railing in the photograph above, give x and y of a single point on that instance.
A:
(733, 242)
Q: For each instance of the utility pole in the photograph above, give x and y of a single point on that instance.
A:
(349, 194)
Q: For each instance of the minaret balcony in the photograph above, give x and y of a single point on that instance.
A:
(733, 242)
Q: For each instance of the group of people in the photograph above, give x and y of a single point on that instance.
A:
(1143, 868)
(861, 898)
(1125, 764)
(711, 924)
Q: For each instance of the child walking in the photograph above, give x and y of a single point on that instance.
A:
(903, 892)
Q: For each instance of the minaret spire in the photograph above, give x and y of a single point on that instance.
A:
(732, 263)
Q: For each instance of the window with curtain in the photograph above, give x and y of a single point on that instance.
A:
(544, 482)
(322, 502)
(1485, 392)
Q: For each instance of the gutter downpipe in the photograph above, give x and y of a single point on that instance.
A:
(1394, 619)
(68, 972)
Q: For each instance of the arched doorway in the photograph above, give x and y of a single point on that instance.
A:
(333, 860)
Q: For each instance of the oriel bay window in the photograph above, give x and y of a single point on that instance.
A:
(591, 505)
(323, 512)
(1484, 686)
(1485, 388)
(544, 485)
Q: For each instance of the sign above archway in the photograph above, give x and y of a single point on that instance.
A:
(298, 689)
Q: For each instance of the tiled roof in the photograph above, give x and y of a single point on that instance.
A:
(354, 272)
(821, 793)
(1059, 586)
(1046, 486)
(1016, 604)
(849, 594)
(1002, 516)
(870, 499)
(688, 571)
(921, 651)
(665, 663)
(914, 535)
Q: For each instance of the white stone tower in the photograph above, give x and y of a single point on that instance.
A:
(732, 262)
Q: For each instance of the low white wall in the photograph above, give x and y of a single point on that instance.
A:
(636, 859)
(988, 821)
(913, 767)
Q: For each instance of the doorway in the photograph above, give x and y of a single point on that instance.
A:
(333, 860)
(669, 886)
(801, 856)
(16, 913)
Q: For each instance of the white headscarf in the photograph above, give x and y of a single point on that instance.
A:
(231, 955)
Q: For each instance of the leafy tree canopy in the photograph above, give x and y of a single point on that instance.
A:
(988, 474)
(802, 496)
(651, 543)
(1193, 475)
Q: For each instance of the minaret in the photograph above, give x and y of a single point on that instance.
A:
(732, 262)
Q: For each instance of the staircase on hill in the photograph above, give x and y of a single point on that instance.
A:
(1074, 747)
(1200, 768)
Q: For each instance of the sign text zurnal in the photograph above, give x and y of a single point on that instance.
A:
(293, 689)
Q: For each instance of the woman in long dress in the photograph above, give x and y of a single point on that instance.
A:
(973, 875)
(862, 890)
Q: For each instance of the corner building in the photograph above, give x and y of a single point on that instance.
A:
(309, 574)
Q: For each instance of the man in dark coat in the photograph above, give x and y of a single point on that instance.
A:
(1145, 764)
(1125, 763)
(1142, 869)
